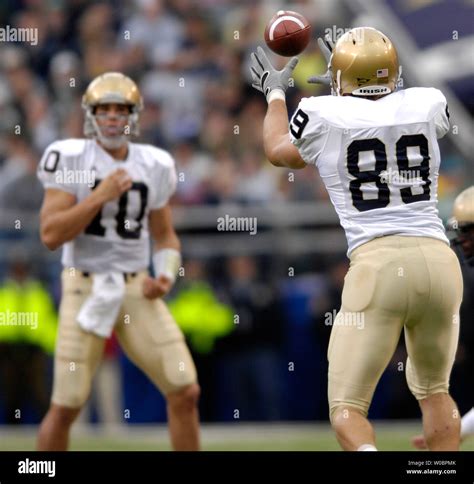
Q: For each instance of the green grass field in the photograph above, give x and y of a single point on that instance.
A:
(236, 437)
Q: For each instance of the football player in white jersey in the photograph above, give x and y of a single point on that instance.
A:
(105, 199)
(376, 150)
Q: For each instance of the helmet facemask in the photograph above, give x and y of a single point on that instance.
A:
(92, 128)
(463, 241)
(111, 88)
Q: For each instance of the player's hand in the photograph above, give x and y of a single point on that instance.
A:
(419, 442)
(154, 288)
(265, 77)
(112, 186)
(326, 46)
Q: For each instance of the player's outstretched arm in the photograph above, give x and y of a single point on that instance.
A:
(166, 256)
(276, 138)
(273, 84)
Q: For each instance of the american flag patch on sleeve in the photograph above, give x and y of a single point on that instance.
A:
(382, 73)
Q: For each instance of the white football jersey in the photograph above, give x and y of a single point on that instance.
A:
(379, 160)
(117, 239)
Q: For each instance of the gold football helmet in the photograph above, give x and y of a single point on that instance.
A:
(111, 87)
(463, 209)
(462, 223)
(364, 62)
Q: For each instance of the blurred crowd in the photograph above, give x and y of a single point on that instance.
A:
(190, 60)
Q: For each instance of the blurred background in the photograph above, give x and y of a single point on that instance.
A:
(253, 307)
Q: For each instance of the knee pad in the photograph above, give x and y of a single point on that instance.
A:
(361, 407)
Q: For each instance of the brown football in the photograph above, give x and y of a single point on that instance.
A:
(288, 33)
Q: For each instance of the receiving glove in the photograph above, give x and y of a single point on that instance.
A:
(267, 79)
(325, 45)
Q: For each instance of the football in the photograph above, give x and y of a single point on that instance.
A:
(287, 33)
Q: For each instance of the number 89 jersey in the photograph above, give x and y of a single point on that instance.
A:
(117, 239)
(379, 160)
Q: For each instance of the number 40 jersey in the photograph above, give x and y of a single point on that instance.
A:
(117, 239)
(379, 160)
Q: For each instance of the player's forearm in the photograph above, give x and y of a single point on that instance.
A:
(63, 226)
(167, 255)
(276, 138)
(167, 240)
(275, 125)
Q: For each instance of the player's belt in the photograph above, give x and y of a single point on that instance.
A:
(128, 276)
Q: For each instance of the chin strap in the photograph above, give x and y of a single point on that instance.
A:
(111, 142)
(338, 84)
